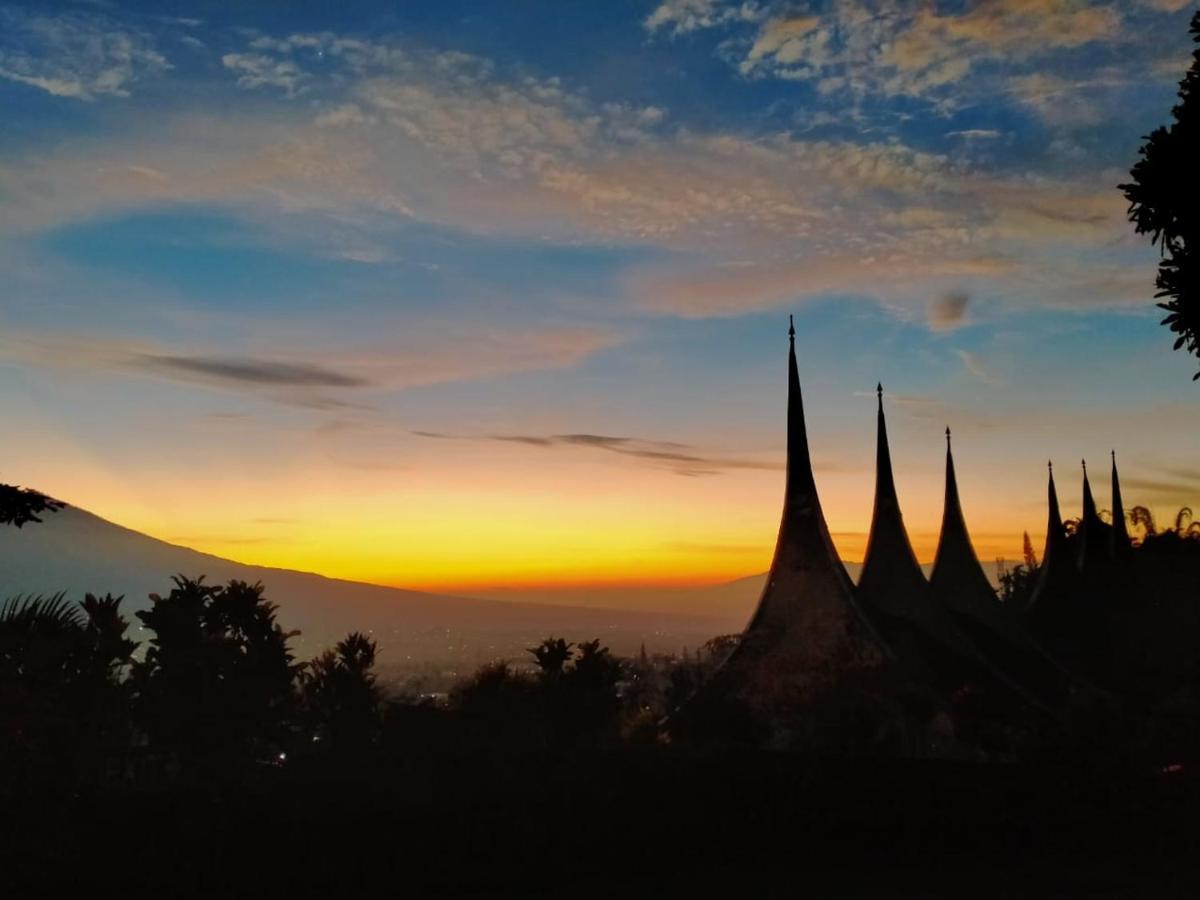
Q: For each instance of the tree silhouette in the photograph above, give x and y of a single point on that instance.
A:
(341, 698)
(498, 707)
(551, 656)
(216, 685)
(591, 693)
(21, 505)
(1159, 205)
(61, 695)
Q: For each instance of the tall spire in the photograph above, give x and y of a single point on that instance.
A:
(1094, 542)
(1089, 503)
(1057, 575)
(1120, 532)
(891, 581)
(957, 576)
(1056, 536)
(959, 586)
(807, 613)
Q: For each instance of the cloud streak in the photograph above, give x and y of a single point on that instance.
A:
(252, 372)
(421, 358)
(75, 55)
(681, 459)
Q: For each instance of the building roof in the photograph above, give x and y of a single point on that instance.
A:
(1094, 536)
(958, 585)
(891, 581)
(1057, 577)
(1120, 531)
(807, 614)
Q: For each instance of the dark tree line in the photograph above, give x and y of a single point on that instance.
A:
(215, 693)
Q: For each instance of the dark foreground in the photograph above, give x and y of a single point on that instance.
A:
(635, 824)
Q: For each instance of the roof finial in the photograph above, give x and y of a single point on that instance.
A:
(1113, 452)
(947, 437)
(879, 389)
(1083, 462)
(791, 329)
(1050, 466)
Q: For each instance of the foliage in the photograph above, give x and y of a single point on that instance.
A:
(551, 656)
(1163, 206)
(1184, 526)
(340, 697)
(498, 706)
(217, 680)
(1018, 583)
(61, 691)
(19, 506)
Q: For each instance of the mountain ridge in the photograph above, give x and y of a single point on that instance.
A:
(77, 551)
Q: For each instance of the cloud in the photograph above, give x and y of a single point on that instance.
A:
(681, 459)
(387, 134)
(684, 16)
(254, 372)
(1169, 6)
(863, 50)
(75, 55)
(733, 290)
(256, 70)
(976, 134)
(431, 354)
(974, 366)
(948, 311)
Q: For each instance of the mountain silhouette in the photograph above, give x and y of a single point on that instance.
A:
(75, 551)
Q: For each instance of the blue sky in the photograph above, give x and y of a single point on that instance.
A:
(259, 252)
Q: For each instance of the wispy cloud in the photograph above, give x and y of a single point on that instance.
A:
(390, 132)
(255, 70)
(328, 380)
(682, 459)
(253, 372)
(78, 55)
(974, 365)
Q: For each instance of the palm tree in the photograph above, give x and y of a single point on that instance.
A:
(341, 698)
(61, 691)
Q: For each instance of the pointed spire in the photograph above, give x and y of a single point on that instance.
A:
(957, 578)
(808, 604)
(1089, 503)
(1055, 535)
(1094, 542)
(1120, 532)
(1056, 576)
(891, 581)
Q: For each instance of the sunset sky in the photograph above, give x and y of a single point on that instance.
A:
(455, 295)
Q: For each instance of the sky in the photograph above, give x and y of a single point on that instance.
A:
(463, 295)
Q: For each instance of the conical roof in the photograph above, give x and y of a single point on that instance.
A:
(1094, 536)
(892, 589)
(958, 584)
(957, 576)
(1120, 531)
(1057, 579)
(891, 581)
(807, 617)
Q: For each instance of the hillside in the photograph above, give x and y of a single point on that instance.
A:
(75, 551)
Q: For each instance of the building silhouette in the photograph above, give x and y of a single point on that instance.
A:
(908, 642)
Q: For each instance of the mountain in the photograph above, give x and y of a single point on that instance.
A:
(75, 551)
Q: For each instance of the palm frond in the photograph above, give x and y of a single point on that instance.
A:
(39, 613)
